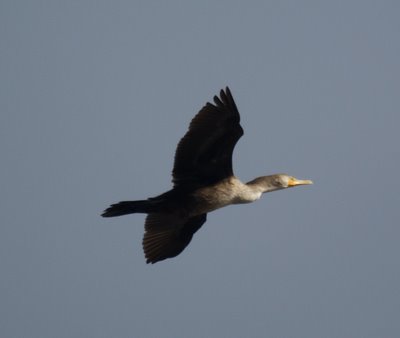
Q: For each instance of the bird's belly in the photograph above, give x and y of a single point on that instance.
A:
(206, 204)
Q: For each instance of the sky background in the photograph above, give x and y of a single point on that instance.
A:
(95, 95)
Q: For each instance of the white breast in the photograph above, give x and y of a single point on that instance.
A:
(229, 191)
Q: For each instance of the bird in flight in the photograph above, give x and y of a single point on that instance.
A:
(203, 181)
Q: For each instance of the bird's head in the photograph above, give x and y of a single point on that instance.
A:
(283, 181)
(276, 182)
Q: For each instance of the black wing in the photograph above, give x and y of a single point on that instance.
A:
(167, 235)
(204, 154)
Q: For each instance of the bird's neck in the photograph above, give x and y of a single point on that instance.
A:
(262, 184)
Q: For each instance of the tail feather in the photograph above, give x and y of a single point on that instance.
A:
(127, 207)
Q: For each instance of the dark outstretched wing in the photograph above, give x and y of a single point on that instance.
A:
(204, 154)
(166, 235)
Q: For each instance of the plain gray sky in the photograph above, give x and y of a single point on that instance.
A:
(95, 95)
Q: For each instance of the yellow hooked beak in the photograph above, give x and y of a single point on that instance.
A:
(294, 181)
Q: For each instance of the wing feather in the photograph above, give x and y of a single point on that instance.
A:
(167, 235)
(204, 154)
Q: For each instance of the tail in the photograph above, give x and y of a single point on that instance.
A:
(127, 207)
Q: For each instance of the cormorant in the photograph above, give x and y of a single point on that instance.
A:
(203, 181)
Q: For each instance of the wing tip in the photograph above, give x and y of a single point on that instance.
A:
(227, 92)
(224, 98)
